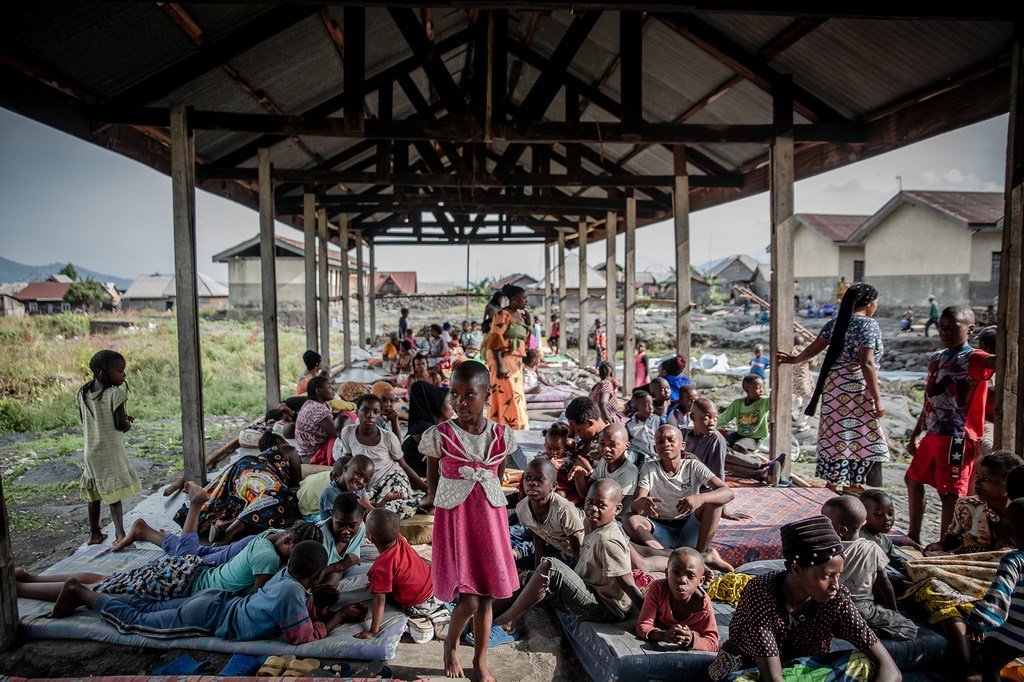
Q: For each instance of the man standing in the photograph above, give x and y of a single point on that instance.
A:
(933, 314)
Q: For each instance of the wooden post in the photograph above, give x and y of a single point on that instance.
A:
(611, 283)
(346, 304)
(323, 268)
(781, 329)
(360, 290)
(309, 275)
(681, 216)
(547, 293)
(186, 285)
(8, 586)
(584, 292)
(1009, 409)
(563, 342)
(372, 281)
(268, 281)
(629, 301)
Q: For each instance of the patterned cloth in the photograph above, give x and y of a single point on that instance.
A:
(863, 332)
(956, 392)
(472, 551)
(508, 395)
(842, 666)
(254, 490)
(1001, 614)
(398, 481)
(850, 439)
(946, 586)
(309, 435)
(108, 475)
(607, 389)
(169, 577)
(972, 523)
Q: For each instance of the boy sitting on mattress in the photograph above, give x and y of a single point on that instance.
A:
(552, 518)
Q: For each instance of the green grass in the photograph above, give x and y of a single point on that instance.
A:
(27, 522)
(44, 360)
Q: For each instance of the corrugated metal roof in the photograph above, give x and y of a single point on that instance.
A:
(974, 208)
(163, 286)
(43, 291)
(835, 228)
(405, 281)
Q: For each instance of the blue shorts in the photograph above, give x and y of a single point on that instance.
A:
(187, 544)
(676, 533)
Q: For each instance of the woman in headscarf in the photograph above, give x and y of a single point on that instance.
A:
(504, 348)
(428, 405)
(851, 443)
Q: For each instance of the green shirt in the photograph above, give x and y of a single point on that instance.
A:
(933, 311)
(239, 575)
(751, 420)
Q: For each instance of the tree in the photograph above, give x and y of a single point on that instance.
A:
(85, 293)
(70, 271)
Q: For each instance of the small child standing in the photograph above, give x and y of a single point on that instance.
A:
(472, 553)
(613, 464)
(864, 574)
(760, 362)
(952, 417)
(641, 428)
(552, 518)
(676, 608)
(108, 476)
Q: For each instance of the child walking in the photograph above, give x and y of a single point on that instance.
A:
(108, 476)
(472, 551)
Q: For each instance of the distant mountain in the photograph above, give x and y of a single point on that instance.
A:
(11, 271)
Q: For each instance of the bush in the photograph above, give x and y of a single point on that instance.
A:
(64, 324)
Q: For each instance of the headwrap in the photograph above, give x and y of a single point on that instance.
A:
(810, 542)
(425, 403)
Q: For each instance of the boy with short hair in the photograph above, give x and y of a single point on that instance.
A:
(670, 510)
(676, 609)
(711, 447)
(952, 419)
(864, 571)
(401, 576)
(585, 421)
(760, 363)
(553, 519)
(679, 414)
(641, 427)
(344, 532)
(601, 588)
(751, 415)
(613, 464)
(880, 518)
(348, 475)
(403, 324)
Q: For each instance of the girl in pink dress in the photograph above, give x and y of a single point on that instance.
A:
(472, 553)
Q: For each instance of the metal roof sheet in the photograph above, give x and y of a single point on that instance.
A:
(835, 228)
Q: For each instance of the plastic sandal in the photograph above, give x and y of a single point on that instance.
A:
(497, 637)
(274, 666)
(301, 667)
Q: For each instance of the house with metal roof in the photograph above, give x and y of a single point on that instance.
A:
(742, 269)
(157, 292)
(823, 252)
(395, 283)
(44, 298)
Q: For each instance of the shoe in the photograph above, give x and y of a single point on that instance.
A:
(301, 667)
(275, 665)
(420, 629)
(774, 472)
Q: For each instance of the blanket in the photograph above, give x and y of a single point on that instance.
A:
(966, 574)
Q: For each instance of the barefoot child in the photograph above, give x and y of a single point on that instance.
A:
(279, 608)
(399, 575)
(613, 464)
(108, 476)
(472, 553)
(553, 519)
(864, 574)
(676, 608)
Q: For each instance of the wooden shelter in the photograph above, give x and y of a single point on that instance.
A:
(508, 121)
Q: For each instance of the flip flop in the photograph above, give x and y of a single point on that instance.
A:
(182, 665)
(301, 667)
(274, 666)
(498, 637)
(241, 665)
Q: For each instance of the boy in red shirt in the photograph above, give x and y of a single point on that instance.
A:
(953, 419)
(400, 576)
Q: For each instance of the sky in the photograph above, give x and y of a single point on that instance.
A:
(63, 199)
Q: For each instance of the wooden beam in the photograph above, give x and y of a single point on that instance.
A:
(324, 286)
(781, 325)
(268, 282)
(611, 278)
(563, 309)
(631, 75)
(583, 294)
(385, 105)
(373, 293)
(309, 272)
(546, 325)
(360, 290)
(449, 202)
(355, 65)
(572, 117)
(186, 284)
(681, 221)
(346, 303)
(629, 300)
(1009, 408)
(9, 622)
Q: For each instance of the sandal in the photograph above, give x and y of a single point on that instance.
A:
(301, 667)
(274, 666)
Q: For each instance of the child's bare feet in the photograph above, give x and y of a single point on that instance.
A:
(97, 538)
(714, 560)
(483, 671)
(452, 666)
(22, 576)
(67, 601)
(139, 527)
(196, 493)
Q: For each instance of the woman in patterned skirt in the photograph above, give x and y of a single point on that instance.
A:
(851, 443)
(505, 347)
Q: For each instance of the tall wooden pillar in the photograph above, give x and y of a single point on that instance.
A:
(268, 281)
(681, 218)
(346, 304)
(324, 284)
(309, 273)
(186, 284)
(611, 283)
(8, 584)
(563, 341)
(584, 292)
(372, 281)
(1009, 433)
(547, 293)
(782, 226)
(629, 300)
(360, 290)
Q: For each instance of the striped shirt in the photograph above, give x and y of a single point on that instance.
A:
(1000, 615)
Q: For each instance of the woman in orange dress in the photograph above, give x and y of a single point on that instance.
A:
(504, 349)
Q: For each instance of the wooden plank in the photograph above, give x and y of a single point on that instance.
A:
(309, 272)
(547, 292)
(584, 294)
(385, 105)
(783, 226)
(360, 291)
(681, 222)
(629, 300)
(186, 285)
(346, 303)
(631, 32)
(562, 307)
(211, 462)
(572, 116)
(9, 622)
(355, 65)
(268, 282)
(372, 280)
(324, 289)
(1009, 408)
(611, 283)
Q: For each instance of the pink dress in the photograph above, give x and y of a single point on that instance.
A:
(472, 552)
